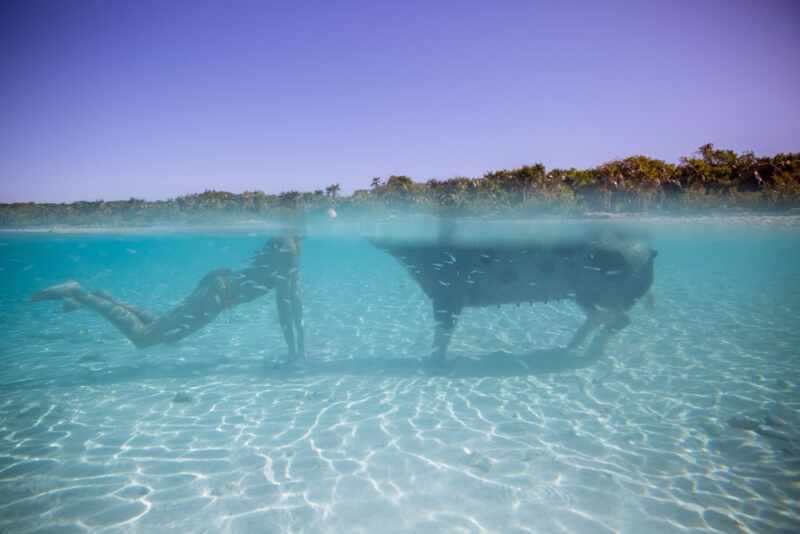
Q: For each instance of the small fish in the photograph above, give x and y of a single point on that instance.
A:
(445, 284)
(590, 268)
(613, 273)
(130, 250)
(182, 397)
(452, 258)
(438, 265)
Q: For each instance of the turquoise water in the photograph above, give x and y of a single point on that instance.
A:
(688, 422)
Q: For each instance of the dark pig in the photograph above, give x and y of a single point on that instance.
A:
(604, 272)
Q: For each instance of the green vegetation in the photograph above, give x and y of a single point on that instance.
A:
(711, 179)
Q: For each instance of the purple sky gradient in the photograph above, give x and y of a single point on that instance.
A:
(113, 99)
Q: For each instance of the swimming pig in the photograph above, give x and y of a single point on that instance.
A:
(604, 272)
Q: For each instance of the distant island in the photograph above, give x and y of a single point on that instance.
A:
(712, 179)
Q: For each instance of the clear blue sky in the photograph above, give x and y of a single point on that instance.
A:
(112, 99)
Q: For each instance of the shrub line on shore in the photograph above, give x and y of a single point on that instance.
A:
(712, 179)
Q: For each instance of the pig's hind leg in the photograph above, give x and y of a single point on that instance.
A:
(445, 315)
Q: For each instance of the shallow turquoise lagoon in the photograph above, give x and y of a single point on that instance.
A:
(688, 423)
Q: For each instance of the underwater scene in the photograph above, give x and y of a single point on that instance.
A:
(530, 376)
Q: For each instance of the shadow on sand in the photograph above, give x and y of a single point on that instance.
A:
(494, 364)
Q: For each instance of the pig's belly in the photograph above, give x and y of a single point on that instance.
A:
(495, 291)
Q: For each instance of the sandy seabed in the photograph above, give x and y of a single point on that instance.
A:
(497, 443)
